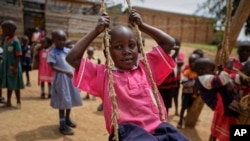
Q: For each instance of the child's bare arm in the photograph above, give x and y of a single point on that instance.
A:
(162, 38)
(76, 53)
(60, 70)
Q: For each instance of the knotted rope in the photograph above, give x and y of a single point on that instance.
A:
(110, 65)
(155, 89)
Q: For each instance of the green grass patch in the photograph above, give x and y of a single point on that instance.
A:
(204, 46)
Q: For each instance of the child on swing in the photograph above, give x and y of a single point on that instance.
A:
(216, 90)
(138, 113)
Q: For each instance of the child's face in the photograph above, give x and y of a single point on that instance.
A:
(123, 50)
(60, 40)
(6, 30)
(90, 53)
(243, 52)
(44, 43)
(25, 41)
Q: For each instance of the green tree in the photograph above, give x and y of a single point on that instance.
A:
(216, 9)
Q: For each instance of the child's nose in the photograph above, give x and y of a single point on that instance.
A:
(126, 50)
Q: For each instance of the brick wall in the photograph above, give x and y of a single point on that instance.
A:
(188, 28)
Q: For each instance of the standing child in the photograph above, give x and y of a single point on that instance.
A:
(12, 72)
(169, 89)
(188, 89)
(45, 72)
(138, 113)
(64, 95)
(1, 59)
(91, 57)
(216, 92)
(26, 60)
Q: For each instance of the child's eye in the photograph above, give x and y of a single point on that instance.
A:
(118, 47)
(132, 46)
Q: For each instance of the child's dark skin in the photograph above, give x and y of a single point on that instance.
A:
(9, 29)
(60, 40)
(25, 42)
(124, 49)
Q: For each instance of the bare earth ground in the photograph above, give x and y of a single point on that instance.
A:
(37, 121)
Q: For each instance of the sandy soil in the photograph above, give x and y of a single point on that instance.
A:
(37, 121)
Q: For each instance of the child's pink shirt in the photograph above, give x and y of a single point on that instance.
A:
(133, 89)
(45, 72)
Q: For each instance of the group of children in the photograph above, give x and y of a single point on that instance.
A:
(139, 115)
(220, 87)
(53, 68)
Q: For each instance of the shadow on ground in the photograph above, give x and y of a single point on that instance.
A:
(42, 133)
(191, 133)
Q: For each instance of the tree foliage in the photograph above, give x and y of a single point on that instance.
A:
(216, 9)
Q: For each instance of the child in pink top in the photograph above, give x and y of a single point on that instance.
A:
(45, 73)
(138, 112)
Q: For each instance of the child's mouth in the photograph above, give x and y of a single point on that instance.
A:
(128, 60)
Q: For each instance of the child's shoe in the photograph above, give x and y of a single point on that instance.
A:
(100, 108)
(28, 84)
(86, 97)
(42, 96)
(2, 100)
(18, 105)
(7, 104)
(65, 130)
(179, 125)
(70, 123)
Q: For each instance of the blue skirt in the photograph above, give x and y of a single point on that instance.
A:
(164, 132)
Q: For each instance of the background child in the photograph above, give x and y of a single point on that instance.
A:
(188, 89)
(27, 56)
(138, 114)
(1, 59)
(45, 72)
(198, 52)
(91, 57)
(170, 87)
(243, 52)
(70, 44)
(215, 91)
(12, 72)
(64, 95)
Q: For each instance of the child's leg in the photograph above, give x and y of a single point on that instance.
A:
(49, 89)
(212, 138)
(69, 122)
(86, 97)
(9, 93)
(183, 108)
(42, 90)
(176, 100)
(64, 129)
(1, 96)
(180, 123)
(28, 78)
(18, 98)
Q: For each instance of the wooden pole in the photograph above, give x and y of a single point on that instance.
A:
(238, 21)
(194, 112)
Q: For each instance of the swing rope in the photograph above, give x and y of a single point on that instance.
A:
(110, 65)
(222, 55)
(155, 89)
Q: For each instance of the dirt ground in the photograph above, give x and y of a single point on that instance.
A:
(37, 121)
